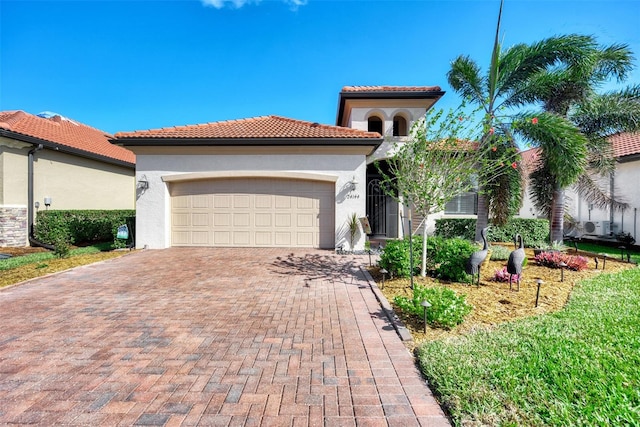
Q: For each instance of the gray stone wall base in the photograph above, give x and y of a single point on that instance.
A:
(13, 226)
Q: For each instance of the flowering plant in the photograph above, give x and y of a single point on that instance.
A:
(503, 276)
(553, 259)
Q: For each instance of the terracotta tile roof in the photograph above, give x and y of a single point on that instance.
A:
(391, 89)
(266, 127)
(64, 132)
(530, 160)
(625, 144)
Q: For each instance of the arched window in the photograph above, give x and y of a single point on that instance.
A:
(399, 126)
(375, 124)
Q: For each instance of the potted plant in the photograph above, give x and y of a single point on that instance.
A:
(353, 225)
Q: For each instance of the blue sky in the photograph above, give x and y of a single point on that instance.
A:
(132, 65)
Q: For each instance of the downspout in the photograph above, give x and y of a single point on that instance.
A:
(32, 240)
(611, 191)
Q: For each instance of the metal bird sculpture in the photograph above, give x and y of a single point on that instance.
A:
(516, 259)
(477, 258)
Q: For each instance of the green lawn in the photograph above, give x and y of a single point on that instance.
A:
(13, 262)
(598, 249)
(580, 366)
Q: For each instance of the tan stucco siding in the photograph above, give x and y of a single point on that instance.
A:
(13, 175)
(78, 183)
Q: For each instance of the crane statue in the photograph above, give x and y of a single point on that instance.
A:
(516, 259)
(477, 258)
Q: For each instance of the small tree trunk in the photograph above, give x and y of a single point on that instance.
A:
(482, 220)
(556, 227)
(423, 270)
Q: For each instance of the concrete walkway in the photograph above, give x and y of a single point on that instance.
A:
(212, 337)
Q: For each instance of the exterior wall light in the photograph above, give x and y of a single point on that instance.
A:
(47, 202)
(143, 183)
(354, 183)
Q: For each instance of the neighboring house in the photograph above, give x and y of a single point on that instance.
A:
(50, 162)
(623, 185)
(273, 181)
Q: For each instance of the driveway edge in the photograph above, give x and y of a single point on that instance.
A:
(398, 325)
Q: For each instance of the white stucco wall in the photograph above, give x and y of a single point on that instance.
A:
(360, 115)
(626, 189)
(153, 221)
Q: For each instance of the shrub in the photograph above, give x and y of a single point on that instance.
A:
(499, 253)
(395, 257)
(503, 276)
(530, 229)
(576, 263)
(80, 226)
(462, 228)
(447, 310)
(553, 259)
(62, 247)
(447, 257)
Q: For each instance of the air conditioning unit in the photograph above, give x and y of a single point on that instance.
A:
(598, 228)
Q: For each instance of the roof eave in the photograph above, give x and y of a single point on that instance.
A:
(344, 95)
(629, 158)
(65, 148)
(237, 142)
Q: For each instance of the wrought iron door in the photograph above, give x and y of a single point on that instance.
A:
(377, 208)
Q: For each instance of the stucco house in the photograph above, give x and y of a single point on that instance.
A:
(623, 185)
(51, 162)
(274, 181)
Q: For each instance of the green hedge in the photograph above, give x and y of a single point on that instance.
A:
(82, 226)
(531, 230)
(446, 258)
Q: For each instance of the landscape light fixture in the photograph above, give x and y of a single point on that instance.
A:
(425, 304)
(539, 282)
(562, 267)
(384, 274)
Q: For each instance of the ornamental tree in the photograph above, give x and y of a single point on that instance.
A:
(442, 159)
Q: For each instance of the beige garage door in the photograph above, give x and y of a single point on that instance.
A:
(253, 212)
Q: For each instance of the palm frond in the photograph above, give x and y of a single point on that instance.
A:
(542, 185)
(563, 146)
(614, 61)
(465, 78)
(601, 115)
(521, 62)
(600, 158)
(593, 193)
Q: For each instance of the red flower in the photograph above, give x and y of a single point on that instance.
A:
(461, 118)
(534, 120)
(492, 131)
(514, 165)
(494, 149)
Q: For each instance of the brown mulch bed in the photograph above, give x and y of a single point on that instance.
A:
(21, 251)
(42, 268)
(493, 303)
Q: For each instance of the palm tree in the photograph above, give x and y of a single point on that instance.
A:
(503, 86)
(600, 116)
(569, 92)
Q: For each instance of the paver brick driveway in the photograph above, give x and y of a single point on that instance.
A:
(207, 337)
